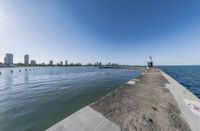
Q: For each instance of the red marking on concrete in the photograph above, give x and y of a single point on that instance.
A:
(194, 106)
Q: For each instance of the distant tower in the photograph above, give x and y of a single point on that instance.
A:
(149, 62)
(66, 62)
(26, 59)
(33, 62)
(51, 62)
(8, 60)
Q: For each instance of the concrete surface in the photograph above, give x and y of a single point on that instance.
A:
(146, 105)
(152, 102)
(180, 93)
(85, 119)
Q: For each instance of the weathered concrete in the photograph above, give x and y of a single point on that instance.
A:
(85, 119)
(146, 105)
(152, 102)
(180, 93)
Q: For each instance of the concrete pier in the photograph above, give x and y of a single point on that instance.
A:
(152, 102)
(183, 98)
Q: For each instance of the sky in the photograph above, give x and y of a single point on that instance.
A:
(118, 31)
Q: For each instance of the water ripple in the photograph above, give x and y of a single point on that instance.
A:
(33, 100)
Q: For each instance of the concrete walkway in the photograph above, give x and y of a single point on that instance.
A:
(85, 119)
(183, 98)
(152, 102)
(146, 105)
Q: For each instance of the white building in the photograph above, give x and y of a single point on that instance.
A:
(26, 59)
(8, 60)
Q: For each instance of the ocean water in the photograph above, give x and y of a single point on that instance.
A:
(37, 98)
(188, 76)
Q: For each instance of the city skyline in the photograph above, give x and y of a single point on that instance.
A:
(9, 61)
(123, 32)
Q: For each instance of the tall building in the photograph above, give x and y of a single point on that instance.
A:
(26, 59)
(8, 60)
(51, 63)
(66, 62)
(33, 62)
(61, 63)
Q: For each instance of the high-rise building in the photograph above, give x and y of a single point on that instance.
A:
(66, 62)
(33, 62)
(61, 63)
(51, 63)
(8, 60)
(26, 59)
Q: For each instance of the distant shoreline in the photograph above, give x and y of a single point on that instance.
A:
(103, 66)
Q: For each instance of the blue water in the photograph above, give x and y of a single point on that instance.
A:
(188, 76)
(35, 99)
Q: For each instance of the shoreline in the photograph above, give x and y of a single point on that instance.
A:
(144, 103)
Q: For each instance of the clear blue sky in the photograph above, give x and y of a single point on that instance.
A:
(120, 31)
